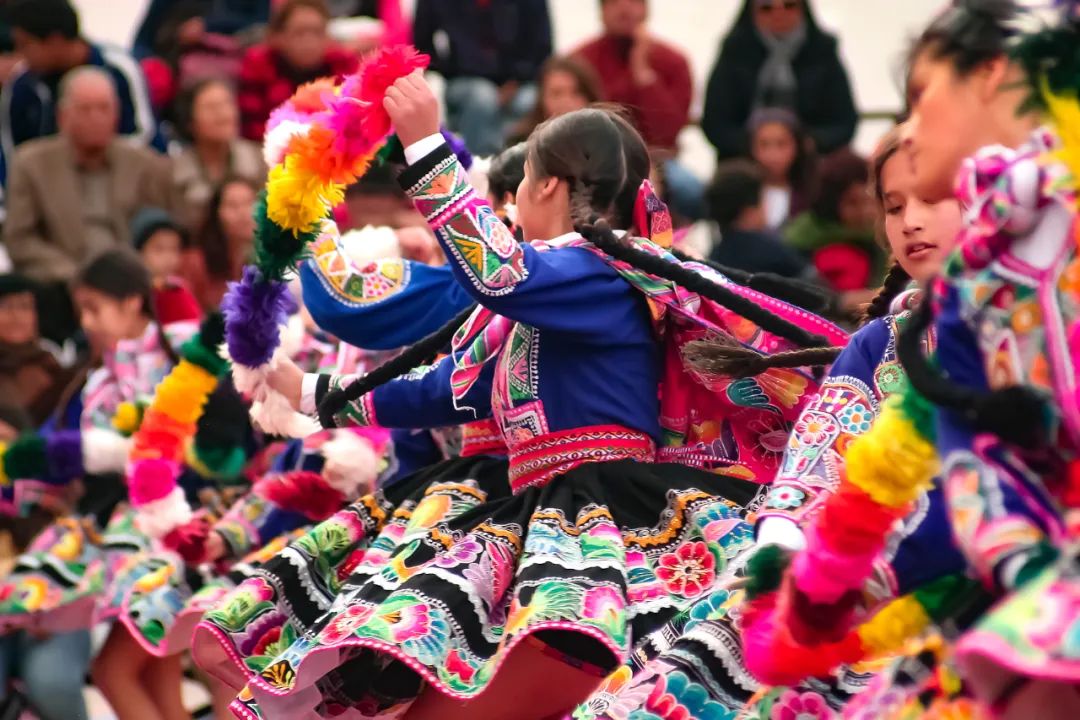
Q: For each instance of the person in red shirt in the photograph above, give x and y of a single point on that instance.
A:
(651, 79)
(297, 50)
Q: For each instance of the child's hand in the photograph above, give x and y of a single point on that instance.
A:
(413, 108)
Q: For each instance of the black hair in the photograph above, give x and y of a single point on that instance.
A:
(44, 18)
(506, 171)
(638, 168)
(413, 356)
(183, 110)
(379, 180)
(120, 274)
(1018, 414)
(839, 172)
(967, 34)
(896, 281)
(211, 238)
(802, 175)
(586, 148)
(736, 187)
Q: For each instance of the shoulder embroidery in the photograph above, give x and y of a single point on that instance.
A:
(357, 286)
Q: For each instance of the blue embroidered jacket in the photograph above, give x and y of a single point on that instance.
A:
(863, 376)
(581, 351)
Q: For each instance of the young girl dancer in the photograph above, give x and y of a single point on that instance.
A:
(527, 592)
(695, 664)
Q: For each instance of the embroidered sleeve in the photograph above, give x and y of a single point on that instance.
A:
(844, 408)
(383, 305)
(999, 510)
(239, 527)
(420, 400)
(565, 289)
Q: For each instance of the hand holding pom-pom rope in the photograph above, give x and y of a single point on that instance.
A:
(413, 108)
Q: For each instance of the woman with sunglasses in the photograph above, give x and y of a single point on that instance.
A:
(775, 55)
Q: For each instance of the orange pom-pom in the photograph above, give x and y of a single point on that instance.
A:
(311, 97)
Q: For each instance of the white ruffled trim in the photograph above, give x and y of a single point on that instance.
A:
(104, 451)
(270, 410)
(351, 466)
(160, 517)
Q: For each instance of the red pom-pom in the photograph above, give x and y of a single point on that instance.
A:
(189, 540)
(376, 75)
(301, 491)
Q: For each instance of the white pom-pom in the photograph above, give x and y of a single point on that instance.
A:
(104, 451)
(276, 142)
(292, 335)
(369, 244)
(161, 517)
(352, 465)
(273, 414)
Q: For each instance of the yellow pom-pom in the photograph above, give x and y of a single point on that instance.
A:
(892, 463)
(297, 199)
(126, 419)
(183, 392)
(3, 475)
(1065, 111)
(894, 625)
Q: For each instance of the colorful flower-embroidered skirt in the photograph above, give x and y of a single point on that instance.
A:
(57, 583)
(462, 572)
(693, 668)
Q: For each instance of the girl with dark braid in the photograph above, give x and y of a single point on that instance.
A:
(694, 658)
(522, 604)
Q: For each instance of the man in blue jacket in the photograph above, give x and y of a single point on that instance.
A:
(46, 34)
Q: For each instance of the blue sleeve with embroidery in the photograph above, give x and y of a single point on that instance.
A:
(999, 511)
(383, 305)
(419, 400)
(845, 406)
(569, 290)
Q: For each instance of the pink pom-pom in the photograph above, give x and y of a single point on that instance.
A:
(151, 480)
(376, 75)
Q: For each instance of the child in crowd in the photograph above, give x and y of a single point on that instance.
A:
(161, 242)
(782, 150)
(745, 240)
(224, 243)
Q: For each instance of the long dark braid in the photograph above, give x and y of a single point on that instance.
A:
(723, 357)
(412, 357)
(896, 281)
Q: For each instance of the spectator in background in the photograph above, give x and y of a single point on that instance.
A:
(491, 59)
(33, 372)
(223, 244)
(505, 174)
(208, 123)
(386, 23)
(72, 197)
(161, 243)
(163, 24)
(297, 50)
(651, 79)
(788, 163)
(743, 239)
(837, 232)
(776, 56)
(566, 84)
(46, 35)
(377, 200)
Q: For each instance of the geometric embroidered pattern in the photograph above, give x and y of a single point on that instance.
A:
(357, 286)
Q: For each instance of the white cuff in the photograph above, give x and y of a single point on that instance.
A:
(308, 404)
(422, 148)
(780, 531)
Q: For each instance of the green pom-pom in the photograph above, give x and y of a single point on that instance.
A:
(1051, 60)
(220, 462)
(26, 458)
(277, 251)
(202, 348)
(917, 409)
(942, 598)
(391, 153)
(765, 570)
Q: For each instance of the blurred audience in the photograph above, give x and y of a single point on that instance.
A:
(775, 55)
(565, 84)
(788, 163)
(652, 80)
(72, 197)
(161, 243)
(377, 199)
(297, 50)
(837, 232)
(743, 238)
(187, 22)
(491, 58)
(33, 371)
(208, 124)
(46, 35)
(363, 25)
(224, 242)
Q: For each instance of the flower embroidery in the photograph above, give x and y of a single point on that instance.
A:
(815, 429)
(462, 553)
(604, 605)
(856, 418)
(688, 571)
(407, 621)
(675, 697)
(345, 623)
(793, 705)
(785, 498)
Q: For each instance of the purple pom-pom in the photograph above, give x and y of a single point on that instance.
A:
(460, 150)
(64, 456)
(254, 309)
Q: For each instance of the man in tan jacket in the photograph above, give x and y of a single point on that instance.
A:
(72, 197)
